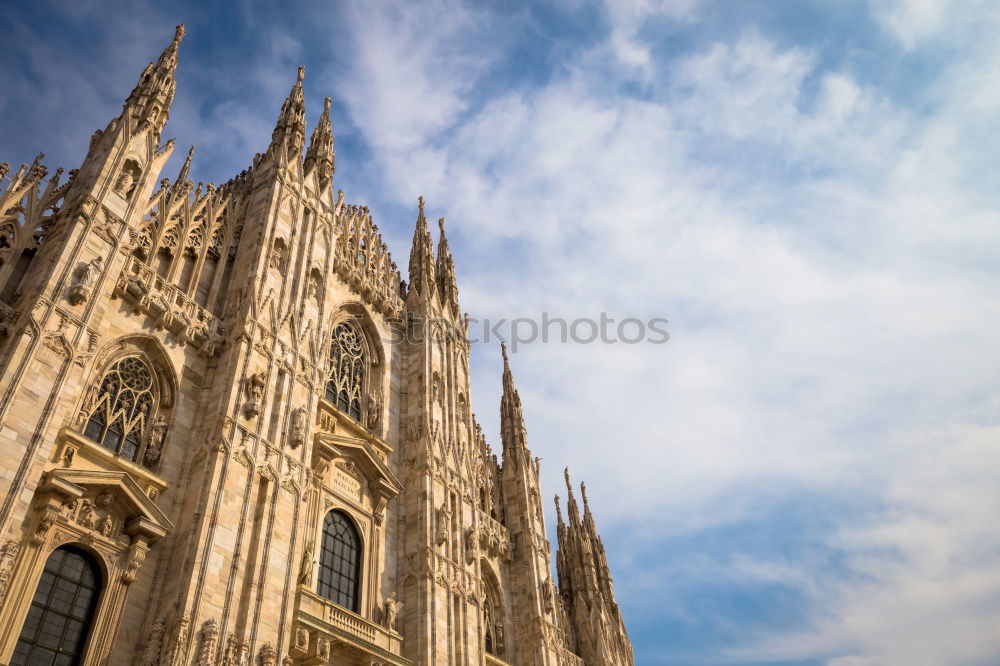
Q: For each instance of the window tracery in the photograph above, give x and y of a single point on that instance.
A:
(493, 629)
(340, 561)
(347, 370)
(123, 408)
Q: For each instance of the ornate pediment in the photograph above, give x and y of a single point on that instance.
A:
(142, 516)
(382, 483)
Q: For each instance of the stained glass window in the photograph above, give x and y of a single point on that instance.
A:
(347, 368)
(340, 561)
(122, 408)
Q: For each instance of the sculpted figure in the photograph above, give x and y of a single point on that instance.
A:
(305, 568)
(79, 291)
(299, 427)
(443, 520)
(157, 435)
(255, 391)
(124, 183)
(391, 609)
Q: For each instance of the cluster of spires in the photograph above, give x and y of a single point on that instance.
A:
(585, 583)
(429, 277)
(582, 562)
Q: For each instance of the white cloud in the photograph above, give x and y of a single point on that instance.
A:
(811, 247)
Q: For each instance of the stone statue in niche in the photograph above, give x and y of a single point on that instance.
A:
(300, 420)
(157, 435)
(547, 602)
(255, 391)
(306, 566)
(83, 280)
(123, 186)
(390, 610)
(108, 526)
(443, 526)
(374, 410)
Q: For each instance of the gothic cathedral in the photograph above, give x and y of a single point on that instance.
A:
(230, 434)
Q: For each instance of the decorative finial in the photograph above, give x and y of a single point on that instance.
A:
(558, 509)
(326, 105)
(179, 33)
(441, 224)
(503, 352)
(302, 73)
(569, 485)
(420, 203)
(583, 491)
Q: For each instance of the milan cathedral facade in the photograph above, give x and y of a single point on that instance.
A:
(231, 434)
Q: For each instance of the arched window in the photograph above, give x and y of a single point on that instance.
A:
(492, 620)
(340, 561)
(58, 623)
(123, 407)
(347, 370)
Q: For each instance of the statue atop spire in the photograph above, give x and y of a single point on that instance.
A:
(290, 129)
(185, 171)
(422, 256)
(446, 282)
(149, 102)
(321, 155)
(586, 587)
(513, 432)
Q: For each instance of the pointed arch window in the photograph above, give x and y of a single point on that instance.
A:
(340, 561)
(123, 407)
(59, 619)
(347, 370)
(493, 631)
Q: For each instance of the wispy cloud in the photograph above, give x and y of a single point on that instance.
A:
(806, 471)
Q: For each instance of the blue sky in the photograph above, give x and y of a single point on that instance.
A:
(807, 472)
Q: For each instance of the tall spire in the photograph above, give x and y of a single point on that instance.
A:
(422, 256)
(571, 505)
(290, 129)
(586, 587)
(150, 100)
(447, 284)
(321, 154)
(185, 172)
(513, 432)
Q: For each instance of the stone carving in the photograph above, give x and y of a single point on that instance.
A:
(124, 183)
(300, 424)
(254, 388)
(390, 609)
(7, 555)
(8, 316)
(136, 556)
(547, 603)
(209, 639)
(157, 435)
(154, 645)
(83, 280)
(175, 655)
(374, 410)
(276, 260)
(306, 566)
(443, 524)
(170, 307)
(362, 259)
(267, 656)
